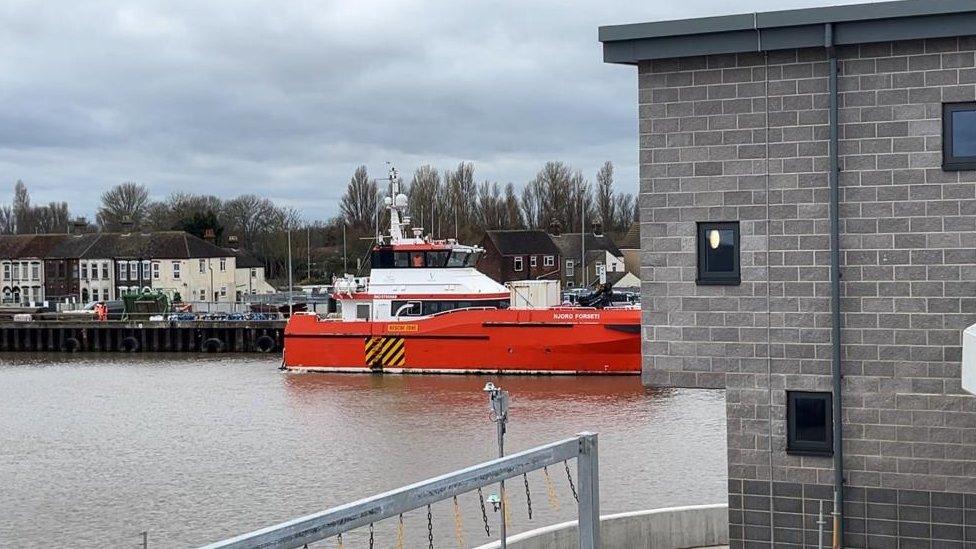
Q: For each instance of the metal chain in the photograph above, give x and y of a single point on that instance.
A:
(571, 485)
(484, 513)
(430, 529)
(400, 534)
(551, 490)
(371, 535)
(458, 525)
(528, 494)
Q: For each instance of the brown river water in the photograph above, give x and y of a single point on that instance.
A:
(95, 449)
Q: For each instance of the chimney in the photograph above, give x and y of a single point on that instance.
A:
(79, 225)
(597, 229)
(555, 228)
(232, 241)
(209, 236)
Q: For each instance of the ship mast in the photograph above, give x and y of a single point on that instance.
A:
(396, 202)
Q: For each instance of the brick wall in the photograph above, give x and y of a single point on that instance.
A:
(908, 232)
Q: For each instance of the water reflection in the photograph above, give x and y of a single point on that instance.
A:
(95, 449)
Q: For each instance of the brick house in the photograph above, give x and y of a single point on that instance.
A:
(602, 254)
(808, 221)
(519, 255)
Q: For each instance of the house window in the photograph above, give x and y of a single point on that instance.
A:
(718, 253)
(133, 270)
(203, 265)
(223, 291)
(146, 267)
(533, 261)
(84, 271)
(35, 271)
(570, 267)
(203, 294)
(6, 271)
(254, 273)
(223, 264)
(518, 263)
(959, 136)
(549, 261)
(123, 290)
(809, 425)
(123, 270)
(176, 270)
(155, 270)
(105, 273)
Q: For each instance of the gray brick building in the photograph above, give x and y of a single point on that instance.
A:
(746, 134)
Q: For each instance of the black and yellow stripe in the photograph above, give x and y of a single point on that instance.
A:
(385, 352)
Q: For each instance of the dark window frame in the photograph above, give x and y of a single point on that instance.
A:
(804, 447)
(950, 162)
(705, 278)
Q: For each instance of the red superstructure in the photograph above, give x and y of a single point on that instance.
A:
(426, 309)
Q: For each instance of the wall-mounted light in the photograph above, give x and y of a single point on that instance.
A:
(714, 238)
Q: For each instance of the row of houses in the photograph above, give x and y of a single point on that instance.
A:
(80, 268)
(575, 259)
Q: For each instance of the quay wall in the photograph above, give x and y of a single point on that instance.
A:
(141, 336)
(670, 528)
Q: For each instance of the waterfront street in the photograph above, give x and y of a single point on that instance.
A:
(94, 449)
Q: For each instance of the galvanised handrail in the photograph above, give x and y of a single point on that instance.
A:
(325, 524)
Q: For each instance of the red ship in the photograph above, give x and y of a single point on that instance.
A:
(426, 309)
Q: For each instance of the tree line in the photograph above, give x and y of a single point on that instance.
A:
(448, 203)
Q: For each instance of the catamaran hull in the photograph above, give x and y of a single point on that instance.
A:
(509, 341)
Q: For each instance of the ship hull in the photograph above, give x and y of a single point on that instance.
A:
(535, 341)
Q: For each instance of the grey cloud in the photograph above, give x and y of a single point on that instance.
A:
(284, 99)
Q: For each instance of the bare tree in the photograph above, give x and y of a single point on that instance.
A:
(126, 202)
(425, 188)
(513, 213)
(458, 198)
(53, 218)
(358, 205)
(626, 211)
(8, 223)
(605, 201)
(247, 216)
(23, 214)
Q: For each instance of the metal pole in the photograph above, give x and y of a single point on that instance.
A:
(583, 241)
(836, 372)
(291, 305)
(498, 401)
(145, 540)
(345, 263)
(308, 253)
(820, 525)
(587, 469)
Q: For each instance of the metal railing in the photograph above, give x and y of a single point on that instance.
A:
(335, 521)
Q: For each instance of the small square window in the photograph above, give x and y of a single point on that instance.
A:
(809, 424)
(718, 253)
(959, 136)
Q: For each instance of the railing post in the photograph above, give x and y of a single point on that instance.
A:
(588, 471)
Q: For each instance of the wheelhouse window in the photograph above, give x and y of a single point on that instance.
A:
(959, 136)
(389, 259)
(718, 254)
(809, 423)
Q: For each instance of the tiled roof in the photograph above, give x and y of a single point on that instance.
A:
(631, 241)
(23, 246)
(156, 245)
(527, 242)
(244, 260)
(569, 244)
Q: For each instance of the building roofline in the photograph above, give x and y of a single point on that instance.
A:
(789, 29)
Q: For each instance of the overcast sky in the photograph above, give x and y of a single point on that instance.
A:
(285, 98)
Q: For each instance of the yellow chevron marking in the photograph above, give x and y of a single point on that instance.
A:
(385, 351)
